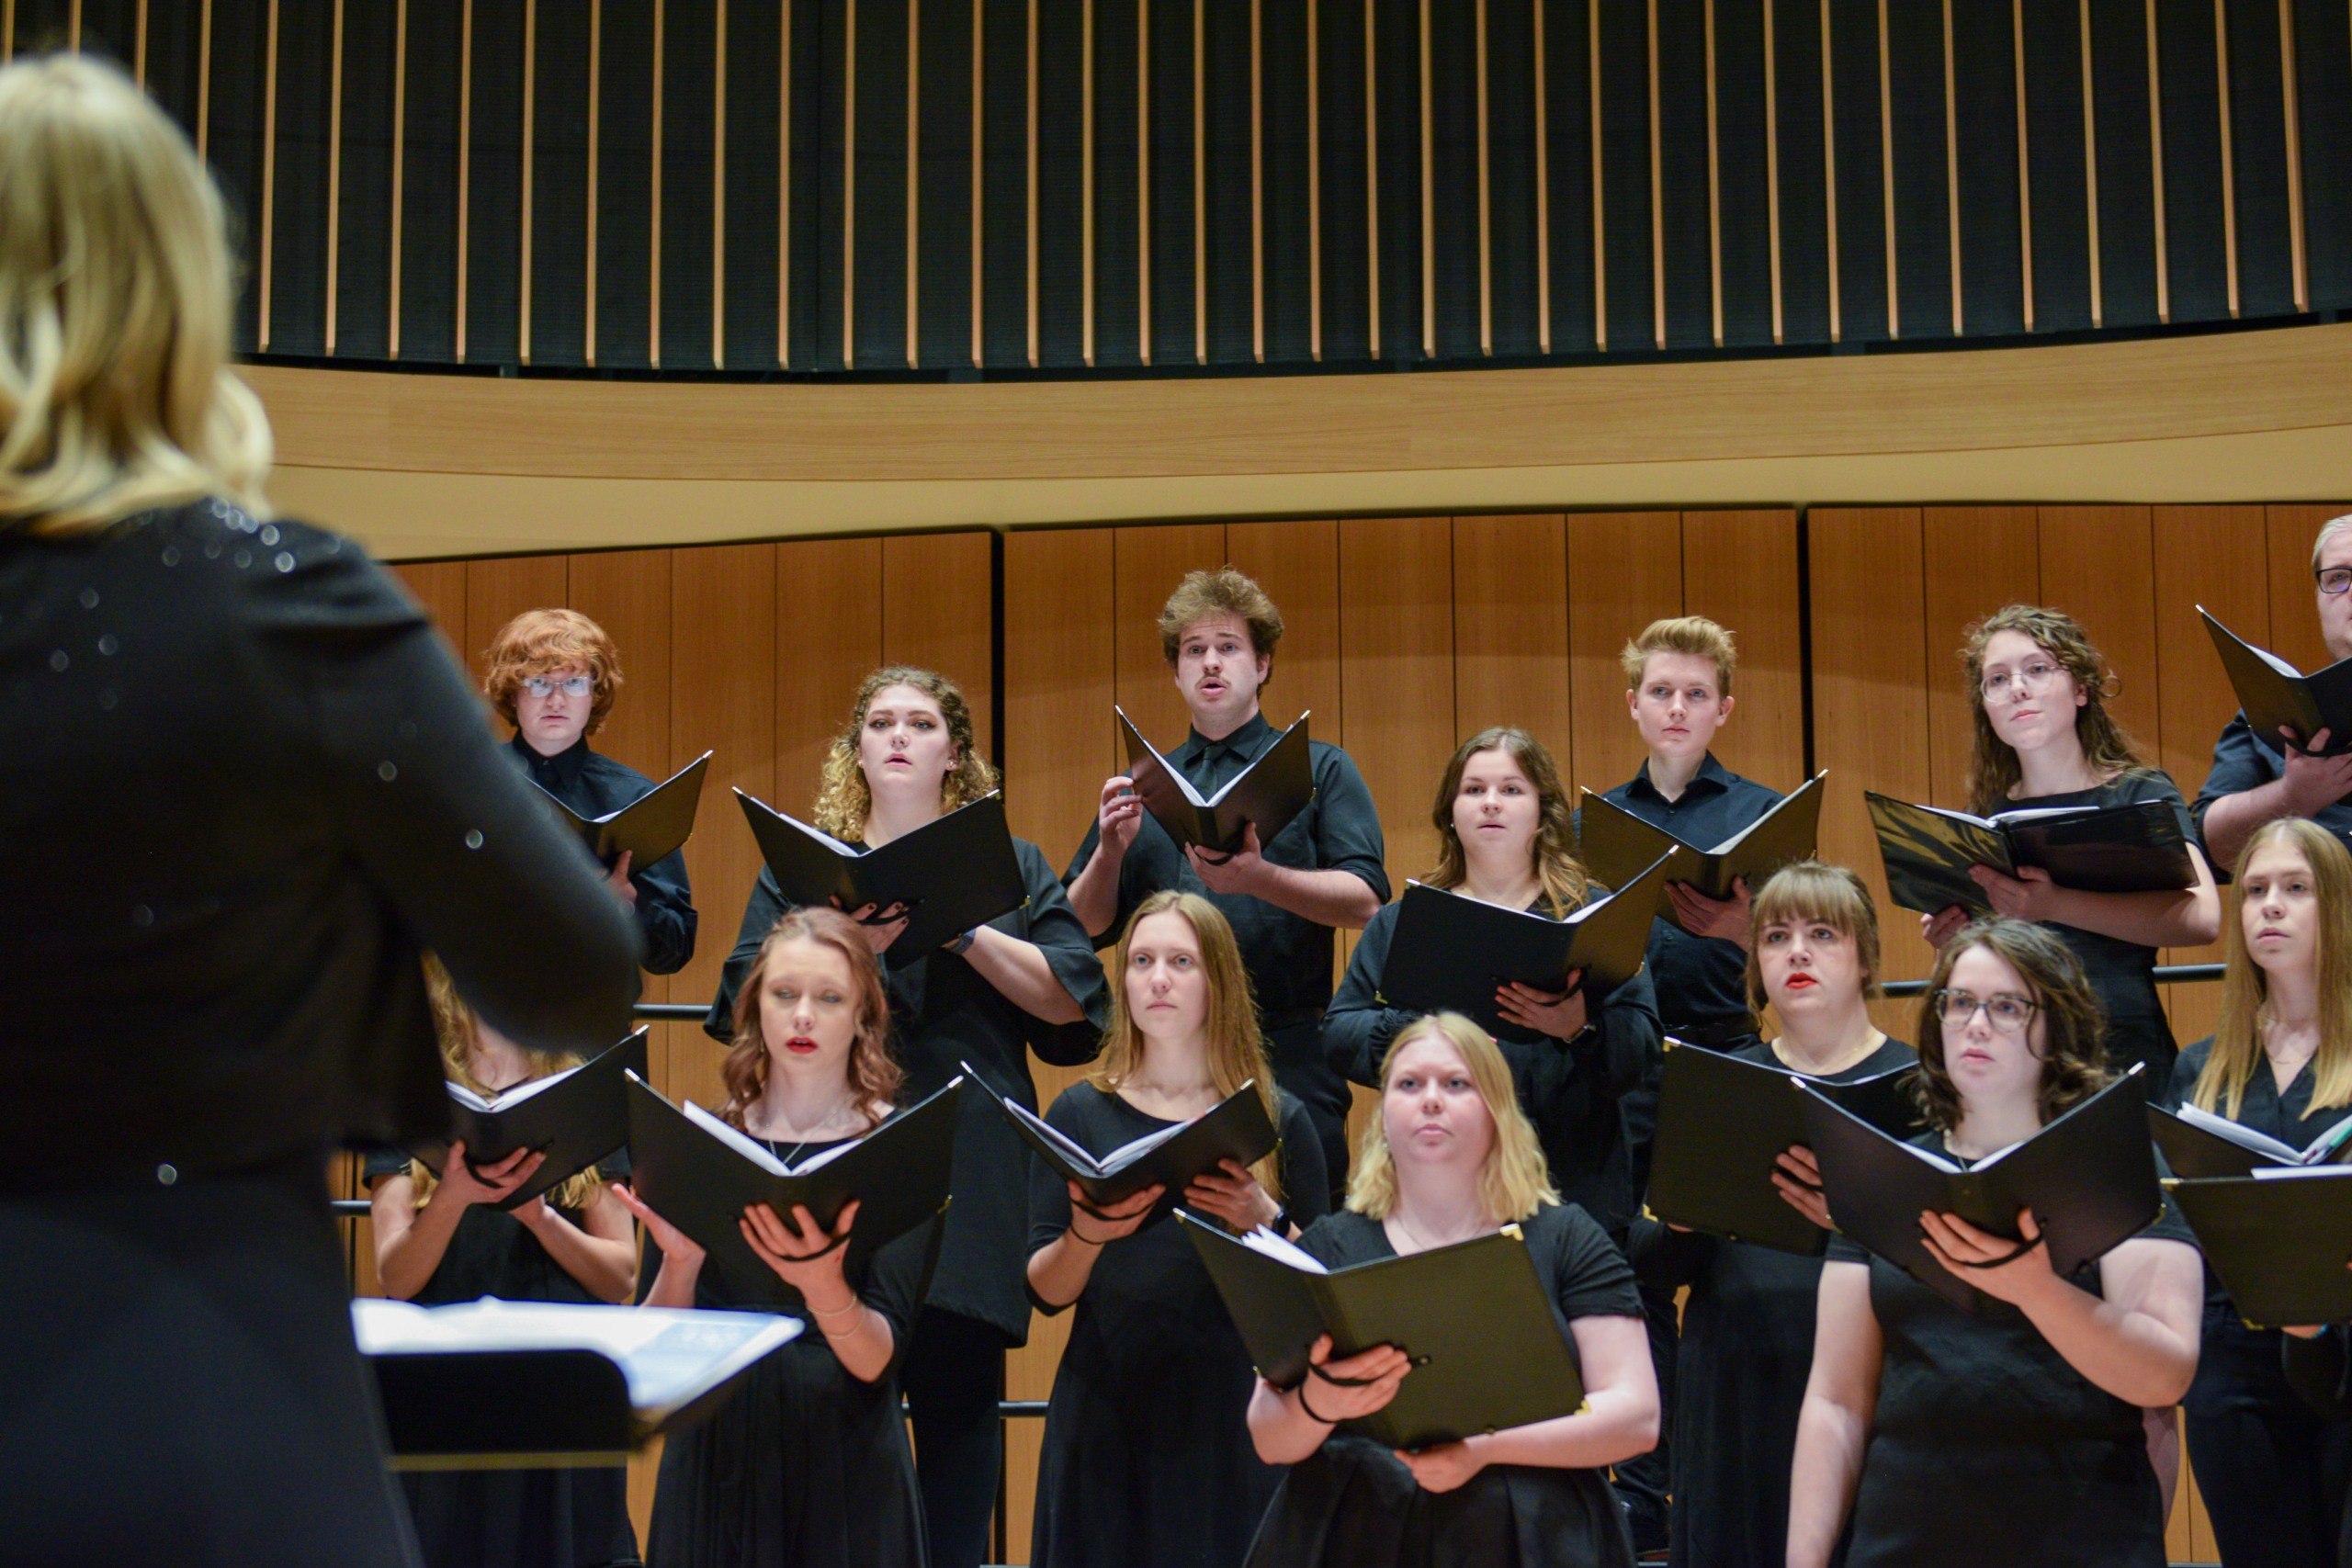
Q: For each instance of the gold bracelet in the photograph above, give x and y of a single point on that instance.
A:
(838, 1312)
(844, 1334)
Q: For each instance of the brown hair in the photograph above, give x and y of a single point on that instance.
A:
(1993, 768)
(1812, 890)
(1692, 635)
(454, 1030)
(2237, 1053)
(845, 799)
(539, 641)
(1224, 591)
(2075, 1068)
(1513, 1183)
(874, 1076)
(1236, 1050)
(1553, 848)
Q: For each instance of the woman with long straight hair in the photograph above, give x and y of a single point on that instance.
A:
(1146, 1461)
(2273, 1472)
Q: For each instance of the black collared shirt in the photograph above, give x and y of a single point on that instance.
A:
(2244, 760)
(592, 785)
(1288, 956)
(1702, 981)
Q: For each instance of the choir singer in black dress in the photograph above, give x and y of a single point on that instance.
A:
(1026, 981)
(245, 787)
(1448, 1157)
(1146, 1459)
(2017, 1436)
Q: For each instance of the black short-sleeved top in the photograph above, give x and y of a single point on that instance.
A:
(2123, 973)
(1702, 982)
(2244, 760)
(1987, 1445)
(1569, 1089)
(248, 787)
(944, 1014)
(592, 785)
(1288, 956)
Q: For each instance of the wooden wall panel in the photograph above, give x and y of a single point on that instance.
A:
(1740, 569)
(1510, 629)
(1298, 563)
(1974, 559)
(939, 613)
(2096, 566)
(498, 590)
(1624, 572)
(440, 587)
(829, 613)
(1397, 660)
(1146, 565)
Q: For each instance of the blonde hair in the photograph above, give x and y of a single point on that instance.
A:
(843, 797)
(874, 1076)
(455, 1029)
(1553, 848)
(539, 641)
(1992, 766)
(116, 395)
(2237, 1053)
(1513, 1182)
(1236, 1050)
(1812, 890)
(1694, 635)
(1224, 591)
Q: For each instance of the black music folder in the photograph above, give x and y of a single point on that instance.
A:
(1722, 1124)
(1615, 844)
(1486, 1350)
(1237, 1129)
(700, 1174)
(1450, 951)
(2089, 1177)
(1268, 792)
(2279, 1240)
(500, 1385)
(2099, 849)
(655, 824)
(952, 873)
(2273, 692)
(2202, 1144)
(576, 1117)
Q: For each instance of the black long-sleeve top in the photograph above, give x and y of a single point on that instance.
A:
(245, 788)
(1569, 1089)
(2244, 760)
(592, 785)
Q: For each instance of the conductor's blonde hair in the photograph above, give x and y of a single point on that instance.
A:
(116, 395)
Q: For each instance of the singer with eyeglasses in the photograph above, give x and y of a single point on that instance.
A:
(553, 675)
(2259, 778)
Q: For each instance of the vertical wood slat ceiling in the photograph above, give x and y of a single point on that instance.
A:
(2270, 233)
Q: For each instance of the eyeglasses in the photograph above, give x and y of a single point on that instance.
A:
(2037, 673)
(2008, 1014)
(570, 685)
(2333, 579)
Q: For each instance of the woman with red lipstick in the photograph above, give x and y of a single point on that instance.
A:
(1747, 1324)
(1026, 981)
(1448, 1157)
(808, 1463)
(1145, 1462)
(2273, 1472)
(2044, 739)
(1504, 838)
(2015, 1437)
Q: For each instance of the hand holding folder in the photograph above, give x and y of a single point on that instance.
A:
(1235, 1129)
(948, 875)
(574, 1118)
(653, 826)
(1616, 846)
(1266, 795)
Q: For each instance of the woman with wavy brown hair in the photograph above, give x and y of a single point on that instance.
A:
(2043, 740)
(2016, 1437)
(1026, 981)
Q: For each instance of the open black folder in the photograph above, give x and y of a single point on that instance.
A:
(655, 824)
(497, 1385)
(2099, 849)
(1237, 1129)
(2199, 1144)
(1486, 1350)
(1615, 844)
(952, 874)
(2278, 1239)
(700, 1174)
(2273, 692)
(2089, 1177)
(576, 1117)
(1451, 952)
(1722, 1124)
(1268, 792)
